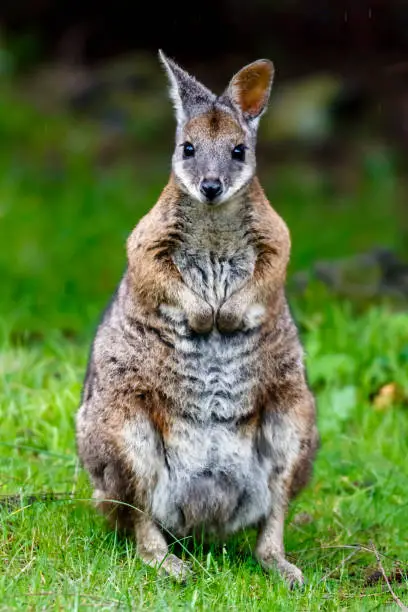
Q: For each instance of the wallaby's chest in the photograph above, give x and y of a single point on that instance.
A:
(215, 258)
(215, 276)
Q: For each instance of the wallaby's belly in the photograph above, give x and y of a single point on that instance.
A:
(212, 478)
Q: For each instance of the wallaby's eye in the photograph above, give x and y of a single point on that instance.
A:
(188, 149)
(238, 152)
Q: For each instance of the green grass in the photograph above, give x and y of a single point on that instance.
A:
(64, 219)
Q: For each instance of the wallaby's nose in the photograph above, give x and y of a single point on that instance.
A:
(211, 188)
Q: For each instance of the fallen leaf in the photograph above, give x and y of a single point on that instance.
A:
(387, 396)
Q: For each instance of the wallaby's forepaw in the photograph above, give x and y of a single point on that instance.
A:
(228, 319)
(170, 565)
(289, 572)
(234, 316)
(201, 320)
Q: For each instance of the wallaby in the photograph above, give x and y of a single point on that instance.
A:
(196, 412)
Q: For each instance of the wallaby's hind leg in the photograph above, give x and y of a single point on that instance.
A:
(153, 550)
(151, 544)
(270, 552)
(269, 549)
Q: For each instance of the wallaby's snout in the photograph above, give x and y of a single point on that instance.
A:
(211, 188)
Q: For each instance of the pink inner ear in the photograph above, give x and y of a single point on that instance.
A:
(252, 87)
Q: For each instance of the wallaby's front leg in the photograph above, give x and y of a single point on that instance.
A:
(246, 308)
(156, 279)
(199, 314)
(269, 236)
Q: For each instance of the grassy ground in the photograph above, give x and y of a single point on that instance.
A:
(63, 221)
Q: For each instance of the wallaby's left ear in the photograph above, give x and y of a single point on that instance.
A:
(189, 96)
(249, 89)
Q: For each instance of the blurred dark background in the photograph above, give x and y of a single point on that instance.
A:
(300, 31)
(87, 133)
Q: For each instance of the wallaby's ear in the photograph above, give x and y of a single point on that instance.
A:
(188, 95)
(249, 89)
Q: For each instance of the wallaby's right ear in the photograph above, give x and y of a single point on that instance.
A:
(249, 89)
(188, 95)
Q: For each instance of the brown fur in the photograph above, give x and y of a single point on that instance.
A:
(215, 124)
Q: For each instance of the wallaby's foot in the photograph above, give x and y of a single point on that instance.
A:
(152, 550)
(270, 552)
(170, 565)
(289, 572)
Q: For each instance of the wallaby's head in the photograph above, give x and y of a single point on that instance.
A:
(214, 158)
